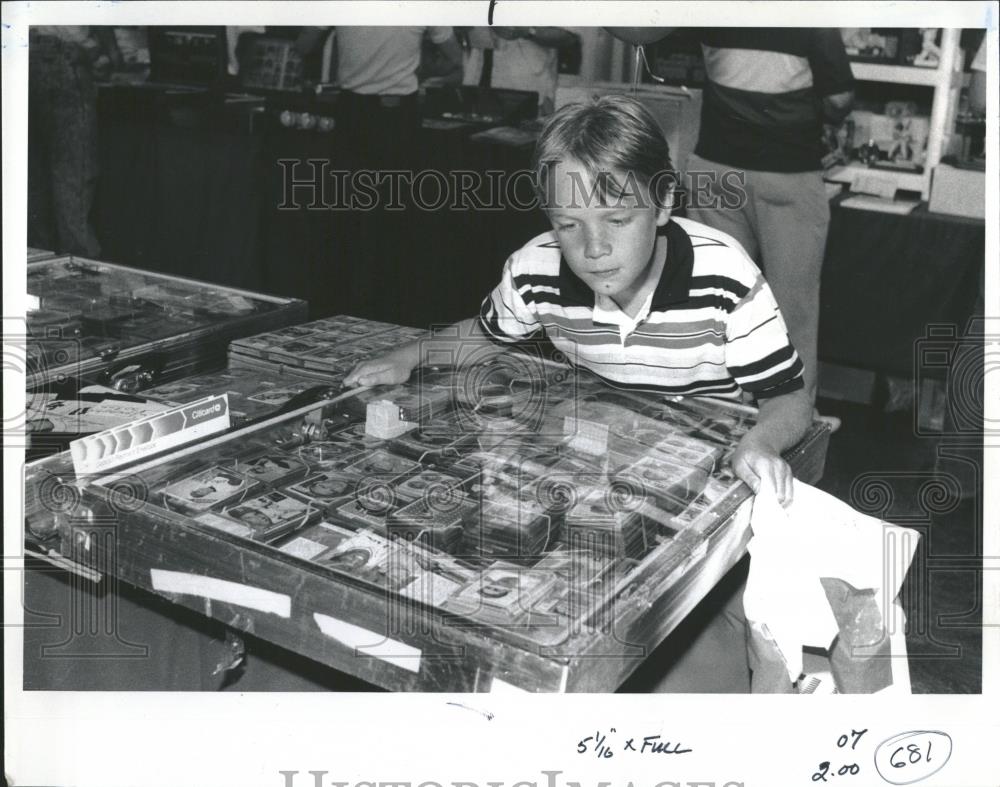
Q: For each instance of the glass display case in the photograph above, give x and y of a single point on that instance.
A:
(529, 527)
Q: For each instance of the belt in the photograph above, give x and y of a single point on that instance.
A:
(373, 99)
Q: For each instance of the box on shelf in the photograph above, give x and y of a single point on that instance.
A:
(958, 192)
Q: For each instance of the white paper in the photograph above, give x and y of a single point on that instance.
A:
(817, 536)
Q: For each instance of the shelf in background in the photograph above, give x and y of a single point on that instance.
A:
(904, 75)
(907, 181)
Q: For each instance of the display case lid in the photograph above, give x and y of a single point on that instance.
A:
(87, 315)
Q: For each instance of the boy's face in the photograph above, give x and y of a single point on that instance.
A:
(609, 246)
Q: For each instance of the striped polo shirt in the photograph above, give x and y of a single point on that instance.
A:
(762, 104)
(712, 328)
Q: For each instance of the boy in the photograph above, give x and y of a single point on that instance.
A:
(644, 301)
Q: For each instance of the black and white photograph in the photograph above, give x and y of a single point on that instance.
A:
(573, 377)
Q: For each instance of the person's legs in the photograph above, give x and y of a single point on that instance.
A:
(73, 158)
(707, 203)
(42, 73)
(792, 216)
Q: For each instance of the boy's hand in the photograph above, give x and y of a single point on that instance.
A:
(758, 465)
(389, 369)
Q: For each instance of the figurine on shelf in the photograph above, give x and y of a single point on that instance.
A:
(902, 113)
(839, 143)
(930, 52)
(868, 153)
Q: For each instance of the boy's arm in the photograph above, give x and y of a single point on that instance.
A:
(504, 318)
(782, 422)
(395, 367)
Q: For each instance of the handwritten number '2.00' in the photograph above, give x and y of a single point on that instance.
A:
(844, 770)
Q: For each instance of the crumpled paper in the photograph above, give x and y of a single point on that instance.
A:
(815, 537)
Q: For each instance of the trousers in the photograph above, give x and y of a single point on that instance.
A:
(714, 650)
(781, 220)
(62, 148)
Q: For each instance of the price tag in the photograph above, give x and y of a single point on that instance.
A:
(112, 448)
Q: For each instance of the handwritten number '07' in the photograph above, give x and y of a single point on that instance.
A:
(843, 740)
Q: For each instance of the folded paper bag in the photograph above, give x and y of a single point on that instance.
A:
(818, 537)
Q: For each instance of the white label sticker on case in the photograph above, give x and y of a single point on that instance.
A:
(370, 643)
(503, 687)
(221, 590)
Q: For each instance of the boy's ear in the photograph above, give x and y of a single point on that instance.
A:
(663, 212)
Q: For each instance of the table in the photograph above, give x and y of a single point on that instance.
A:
(887, 278)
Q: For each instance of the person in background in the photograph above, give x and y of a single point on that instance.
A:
(767, 95)
(518, 58)
(64, 62)
(378, 129)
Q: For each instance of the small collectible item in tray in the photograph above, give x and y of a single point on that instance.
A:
(502, 594)
(685, 450)
(429, 485)
(671, 486)
(276, 397)
(354, 437)
(177, 392)
(598, 523)
(313, 542)
(429, 448)
(324, 488)
(252, 345)
(578, 567)
(328, 455)
(430, 588)
(514, 533)
(271, 515)
(274, 467)
(290, 332)
(383, 464)
(295, 352)
(206, 489)
(361, 554)
(438, 522)
(365, 511)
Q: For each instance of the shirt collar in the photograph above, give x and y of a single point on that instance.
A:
(675, 279)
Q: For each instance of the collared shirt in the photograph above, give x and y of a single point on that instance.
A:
(609, 312)
(382, 60)
(762, 105)
(712, 326)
